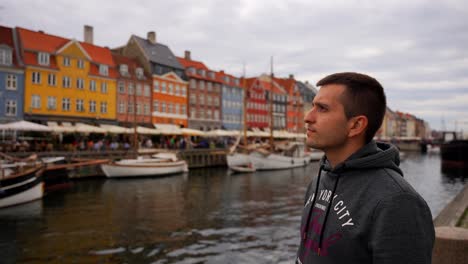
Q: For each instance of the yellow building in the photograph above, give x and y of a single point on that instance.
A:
(67, 80)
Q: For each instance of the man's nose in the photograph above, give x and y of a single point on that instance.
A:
(310, 116)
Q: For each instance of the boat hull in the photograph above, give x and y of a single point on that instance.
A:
(115, 170)
(277, 162)
(22, 188)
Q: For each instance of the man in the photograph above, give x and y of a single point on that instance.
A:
(359, 209)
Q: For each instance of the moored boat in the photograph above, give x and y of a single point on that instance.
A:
(20, 184)
(143, 167)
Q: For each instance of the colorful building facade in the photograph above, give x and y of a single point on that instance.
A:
(67, 80)
(204, 95)
(232, 101)
(169, 93)
(133, 93)
(11, 77)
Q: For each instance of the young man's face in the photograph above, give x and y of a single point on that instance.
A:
(326, 122)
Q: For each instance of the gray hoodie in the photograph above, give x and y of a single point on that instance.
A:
(365, 212)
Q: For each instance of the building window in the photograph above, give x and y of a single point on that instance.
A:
(163, 107)
(11, 82)
(121, 107)
(92, 106)
(80, 83)
(146, 109)
(123, 69)
(193, 99)
(138, 109)
(51, 79)
(155, 106)
(121, 87)
(80, 64)
(170, 108)
(138, 89)
(139, 73)
(43, 58)
(183, 110)
(104, 107)
(209, 86)
(79, 105)
(66, 61)
(201, 85)
(36, 77)
(177, 89)
(130, 108)
(92, 85)
(216, 114)
(183, 91)
(103, 70)
(66, 82)
(208, 100)
(201, 99)
(103, 87)
(146, 90)
(10, 108)
(192, 113)
(51, 103)
(193, 84)
(130, 88)
(36, 101)
(5, 56)
(170, 89)
(66, 104)
(208, 114)
(156, 86)
(177, 109)
(163, 87)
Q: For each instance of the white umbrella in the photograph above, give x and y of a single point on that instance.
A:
(84, 128)
(117, 129)
(168, 129)
(192, 132)
(60, 129)
(24, 126)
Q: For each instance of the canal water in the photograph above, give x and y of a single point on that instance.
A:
(205, 216)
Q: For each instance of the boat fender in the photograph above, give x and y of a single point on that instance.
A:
(292, 161)
(305, 162)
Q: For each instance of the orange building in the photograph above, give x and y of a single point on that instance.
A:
(295, 105)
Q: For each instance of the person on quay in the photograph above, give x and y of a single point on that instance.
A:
(359, 208)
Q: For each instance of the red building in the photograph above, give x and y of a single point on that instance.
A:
(133, 92)
(295, 105)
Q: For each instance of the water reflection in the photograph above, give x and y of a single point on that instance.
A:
(207, 216)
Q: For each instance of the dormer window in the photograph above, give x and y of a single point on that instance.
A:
(5, 56)
(123, 68)
(237, 82)
(226, 79)
(139, 73)
(211, 75)
(202, 72)
(43, 58)
(191, 70)
(103, 70)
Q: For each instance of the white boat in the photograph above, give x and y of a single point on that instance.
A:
(314, 155)
(156, 166)
(243, 168)
(293, 157)
(20, 184)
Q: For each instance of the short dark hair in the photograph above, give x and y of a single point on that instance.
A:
(364, 95)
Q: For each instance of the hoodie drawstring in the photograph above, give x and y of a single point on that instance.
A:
(304, 236)
(326, 215)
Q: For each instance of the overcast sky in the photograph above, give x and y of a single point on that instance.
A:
(417, 49)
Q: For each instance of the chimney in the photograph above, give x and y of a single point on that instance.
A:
(291, 76)
(41, 31)
(188, 55)
(88, 34)
(307, 82)
(221, 71)
(151, 36)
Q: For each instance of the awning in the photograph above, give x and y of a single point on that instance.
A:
(60, 129)
(192, 132)
(24, 126)
(147, 131)
(116, 129)
(168, 129)
(84, 128)
(221, 133)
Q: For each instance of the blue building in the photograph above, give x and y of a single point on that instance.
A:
(233, 101)
(11, 77)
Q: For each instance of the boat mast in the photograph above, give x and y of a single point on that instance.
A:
(271, 106)
(245, 106)
(135, 133)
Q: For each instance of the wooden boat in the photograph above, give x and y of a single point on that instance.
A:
(243, 168)
(20, 184)
(454, 156)
(157, 165)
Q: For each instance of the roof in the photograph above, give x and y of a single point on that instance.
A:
(287, 83)
(131, 63)
(221, 74)
(305, 88)
(7, 38)
(198, 65)
(265, 80)
(158, 53)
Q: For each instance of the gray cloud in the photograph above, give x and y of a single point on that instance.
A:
(417, 49)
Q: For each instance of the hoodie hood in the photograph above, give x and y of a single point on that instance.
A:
(373, 155)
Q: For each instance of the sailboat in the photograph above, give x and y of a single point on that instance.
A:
(156, 165)
(274, 157)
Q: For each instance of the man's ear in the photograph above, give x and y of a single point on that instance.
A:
(357, 125)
